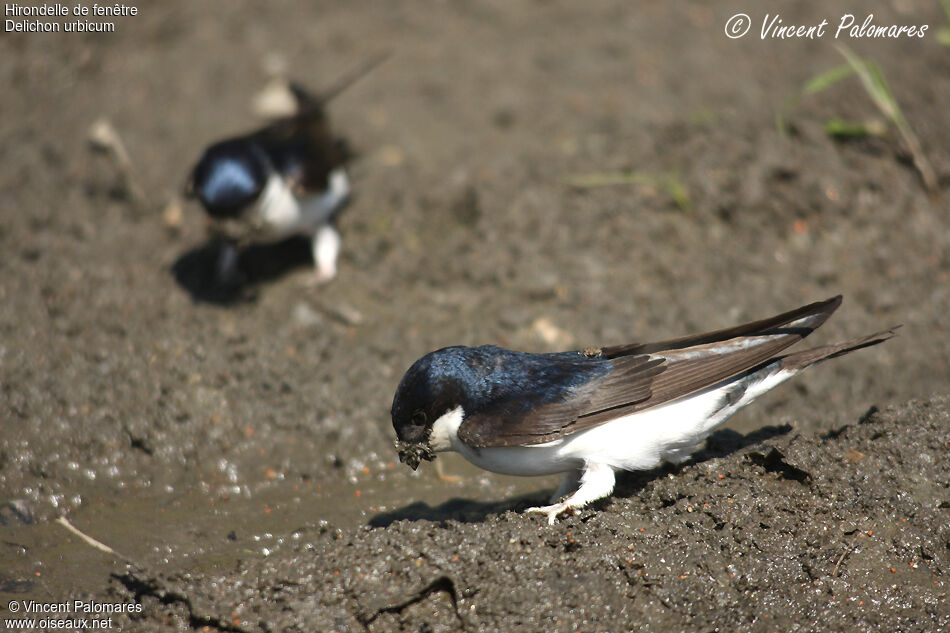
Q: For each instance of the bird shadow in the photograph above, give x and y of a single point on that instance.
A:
(720, 444)
(455, 509)
(199, 272)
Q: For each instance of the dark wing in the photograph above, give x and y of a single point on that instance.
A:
(301, 146)
(642, 376)
(304, 98)
(540, 410)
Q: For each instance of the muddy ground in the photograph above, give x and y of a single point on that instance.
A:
(234, 446)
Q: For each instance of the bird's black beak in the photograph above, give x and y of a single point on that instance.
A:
(412, 454)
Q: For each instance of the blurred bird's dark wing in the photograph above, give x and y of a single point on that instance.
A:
(302, 147)
(642, 376)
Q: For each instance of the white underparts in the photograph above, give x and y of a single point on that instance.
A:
(672, 431)
(278, 210)
(322, 206)
(639, 441)
(282, 212)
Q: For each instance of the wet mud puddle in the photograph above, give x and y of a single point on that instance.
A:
(206, 530)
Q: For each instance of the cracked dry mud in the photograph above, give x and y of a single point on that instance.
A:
(235, 443)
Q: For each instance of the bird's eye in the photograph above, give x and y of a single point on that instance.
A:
(418, 418)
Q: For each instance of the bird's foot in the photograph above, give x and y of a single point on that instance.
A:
(326, 250)
(320, 277)
(448, 479)
(553, 511)
(596, 482)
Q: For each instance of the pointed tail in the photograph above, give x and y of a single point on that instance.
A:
(801, 360)
(308, 100)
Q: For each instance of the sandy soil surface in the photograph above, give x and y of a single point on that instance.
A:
(235, 446)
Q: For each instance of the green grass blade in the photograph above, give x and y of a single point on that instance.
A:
(827, 79)
(670, 183)
(609, 179)
(874, 83)
(943, 33)
(842, 128)
(677, 190)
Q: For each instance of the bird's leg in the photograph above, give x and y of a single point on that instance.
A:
(597, 481)
(681, 454)
(226, 268)
(326, 249)
(448, 479)
(570, 482)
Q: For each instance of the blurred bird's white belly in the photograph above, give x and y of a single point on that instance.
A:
(282, 213)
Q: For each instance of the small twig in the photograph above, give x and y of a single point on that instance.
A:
(93, 542)
(104, 136)
(841, 559)
(341, 312)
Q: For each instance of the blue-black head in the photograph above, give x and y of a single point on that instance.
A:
(229, 177)
(483, 380)
(434, 385)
